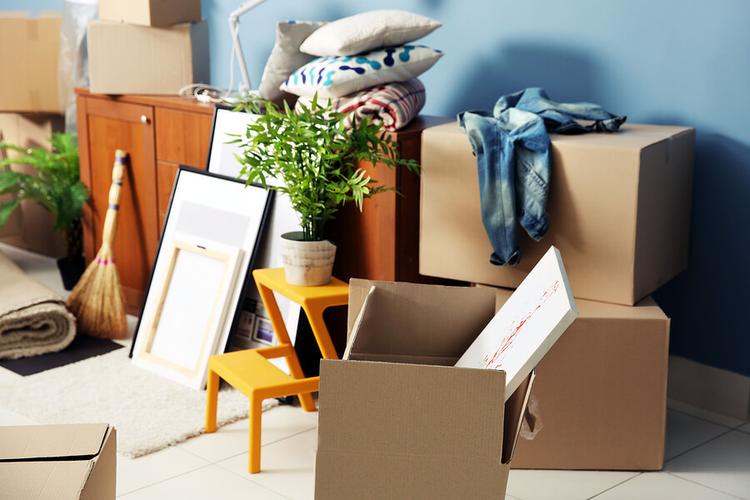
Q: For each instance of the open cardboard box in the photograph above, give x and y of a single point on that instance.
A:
(58, 462)
(444, 434)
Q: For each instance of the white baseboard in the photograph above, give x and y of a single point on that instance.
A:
(712, 389)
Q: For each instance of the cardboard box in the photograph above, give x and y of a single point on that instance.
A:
(397, 420)
(58, 462)
(161, 13)
(131, 59)
(31, 227)
(619, 207)
(602, 391)
(29, 49)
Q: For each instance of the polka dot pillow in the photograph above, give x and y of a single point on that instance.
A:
(337, 76)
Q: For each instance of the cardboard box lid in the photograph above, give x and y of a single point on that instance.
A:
(46, 442)
(407, 322)
(58, 462)
(632, 136)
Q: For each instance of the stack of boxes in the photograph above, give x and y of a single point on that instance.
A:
(30, 112)
(620, 215)
(147, 47)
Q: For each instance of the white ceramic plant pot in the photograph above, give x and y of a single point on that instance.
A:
(307, 263)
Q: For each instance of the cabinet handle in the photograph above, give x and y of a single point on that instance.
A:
(144, 119)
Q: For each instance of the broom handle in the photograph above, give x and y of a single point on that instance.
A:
(110, 220)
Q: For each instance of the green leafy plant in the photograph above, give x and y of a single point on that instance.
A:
(55, 184)
(317, 156)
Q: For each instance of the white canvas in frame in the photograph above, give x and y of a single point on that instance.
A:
(191, 297)
(282, 218)
(214, 210)
(528, 324)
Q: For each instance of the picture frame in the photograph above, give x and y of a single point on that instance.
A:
(263, 331)
(209, 209)
(221, 150)
(281, 219)
(194, 291)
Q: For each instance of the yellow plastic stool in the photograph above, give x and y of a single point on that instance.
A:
(250, 372)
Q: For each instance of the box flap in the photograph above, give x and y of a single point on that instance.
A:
(51, 442)
(413, 322)
(515, 410)
(376, 409)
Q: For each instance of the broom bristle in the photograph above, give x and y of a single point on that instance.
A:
(97, 300)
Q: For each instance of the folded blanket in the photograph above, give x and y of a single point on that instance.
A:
(33, 318)
(393, 104)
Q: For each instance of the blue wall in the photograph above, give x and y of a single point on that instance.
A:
(671, 61)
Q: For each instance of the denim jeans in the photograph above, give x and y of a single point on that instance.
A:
(513, 161)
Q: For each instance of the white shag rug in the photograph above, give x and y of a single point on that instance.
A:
(149, 412)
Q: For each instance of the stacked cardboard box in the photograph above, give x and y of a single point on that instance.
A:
(620, 211)
(29, 49)
(147, 47)
(30, 226)
(29, 114)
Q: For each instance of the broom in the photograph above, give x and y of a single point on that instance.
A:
(97, 301)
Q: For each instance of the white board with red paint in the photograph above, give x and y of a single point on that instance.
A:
(528, 324)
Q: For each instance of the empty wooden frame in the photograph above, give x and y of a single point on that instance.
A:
(191, 307)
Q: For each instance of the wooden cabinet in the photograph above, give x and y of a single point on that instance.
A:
(382, 241)
(159, 134)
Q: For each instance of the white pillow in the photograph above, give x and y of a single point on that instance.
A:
(367, 31)
(343, 75)
(285, 56)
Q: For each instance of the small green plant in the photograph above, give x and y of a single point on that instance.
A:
(317, 157)
(55, 185)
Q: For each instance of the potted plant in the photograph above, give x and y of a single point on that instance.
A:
(313, 156)
(56, 186)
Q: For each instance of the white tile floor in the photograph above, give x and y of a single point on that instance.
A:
(708, 456)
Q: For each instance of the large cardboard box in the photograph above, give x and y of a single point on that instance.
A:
(58, 462)
(397, 420)
(31, 226)
(131, 59)
(160, 13)
(29, 49)
(619, 207)
(602, 391)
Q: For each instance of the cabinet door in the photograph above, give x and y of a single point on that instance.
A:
(105, 126)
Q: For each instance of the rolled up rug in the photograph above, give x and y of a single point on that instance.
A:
(33, 318)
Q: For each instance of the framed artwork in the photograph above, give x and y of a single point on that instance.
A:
(191, 305)
(282, 218)
(215, 212)
(263, 331)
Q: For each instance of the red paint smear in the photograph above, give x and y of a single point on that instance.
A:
(490, 361)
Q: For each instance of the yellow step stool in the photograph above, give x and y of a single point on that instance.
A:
(250, 372)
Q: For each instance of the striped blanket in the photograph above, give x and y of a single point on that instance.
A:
(393, 104)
